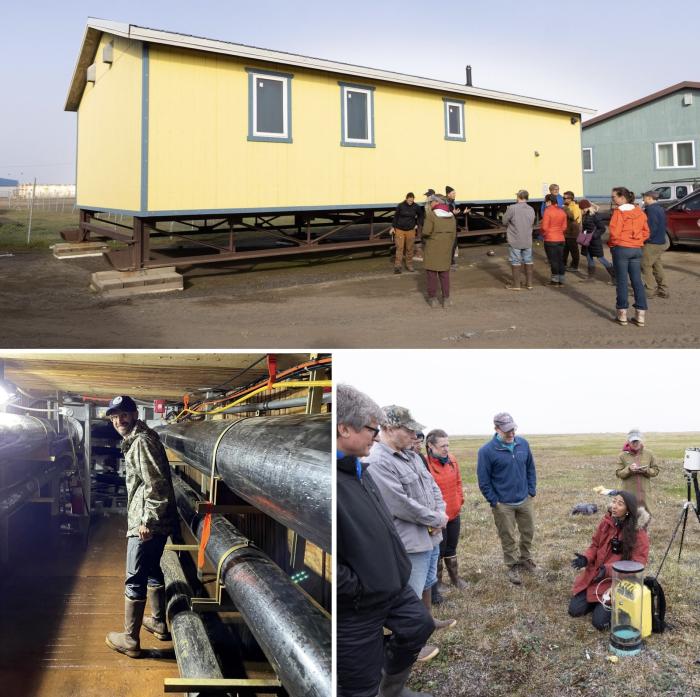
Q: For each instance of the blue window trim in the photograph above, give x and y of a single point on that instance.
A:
(370, 92)
(592, 169)
(446, 102)
(145, 89)
(287, 79)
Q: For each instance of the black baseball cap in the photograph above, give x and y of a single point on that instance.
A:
(121, 403)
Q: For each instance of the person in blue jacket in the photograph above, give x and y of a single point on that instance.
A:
(654, 247)
(508, 481)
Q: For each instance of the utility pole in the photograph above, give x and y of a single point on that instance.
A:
(31, 210)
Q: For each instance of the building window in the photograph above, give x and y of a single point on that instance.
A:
(588, 159)
(675, 155)
(269, 106)
(454, 119)
(357, 115)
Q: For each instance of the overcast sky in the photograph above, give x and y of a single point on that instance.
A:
(594, 54)
(572, 391)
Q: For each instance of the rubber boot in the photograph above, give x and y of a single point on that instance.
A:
(528, 276)
(427, 653)
(435, 595)
(439, 624)
(442, 588)
(394, 686)
(515, 283)
(621, 317)
(453, 571)
(591, 273)
(639, 317)
(611, 273)
(155, 624)
(129, 643)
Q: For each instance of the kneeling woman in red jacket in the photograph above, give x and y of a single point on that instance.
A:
(621, 535)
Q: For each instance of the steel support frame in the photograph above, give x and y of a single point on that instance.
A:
(300, 236)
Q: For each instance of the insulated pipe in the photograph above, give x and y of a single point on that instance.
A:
(20, 435)
(193, 650)
(294, 634)
(275, 404)
(14, 496)
(279, 464)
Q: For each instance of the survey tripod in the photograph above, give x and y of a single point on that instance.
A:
(690, 476)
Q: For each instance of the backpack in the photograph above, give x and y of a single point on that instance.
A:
(658, 604)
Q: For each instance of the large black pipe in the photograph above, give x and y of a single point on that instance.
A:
(193, 650)
(14, 496)
(294, 634)
(21, 436)
(279, 464)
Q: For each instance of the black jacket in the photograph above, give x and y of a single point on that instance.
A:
(372, 564)
(407, 217)
(591, 222)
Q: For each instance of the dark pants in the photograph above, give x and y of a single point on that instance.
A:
(450, 538)
(571, 246)
(579, 606)
(555, 257)
(362, 651)
(627, 262)
(143, 565)
(444, 277)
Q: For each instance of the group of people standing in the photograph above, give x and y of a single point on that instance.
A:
(570, 228)
(398, 518)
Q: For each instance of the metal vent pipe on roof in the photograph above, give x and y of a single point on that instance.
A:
(294, 634)
(469, 76)
(279, 464)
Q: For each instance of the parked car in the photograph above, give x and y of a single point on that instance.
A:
(683, 220)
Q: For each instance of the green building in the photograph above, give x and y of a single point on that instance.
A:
(650, 140)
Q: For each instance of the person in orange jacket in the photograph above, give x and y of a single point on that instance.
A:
(554, 223)
(628, 232)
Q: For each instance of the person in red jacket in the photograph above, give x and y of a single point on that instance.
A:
(628, 232)
(554, 223)
(445, 471)
(620, 535)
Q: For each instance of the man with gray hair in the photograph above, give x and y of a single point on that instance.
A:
(508, 481)
(519, 219)
(373, 568)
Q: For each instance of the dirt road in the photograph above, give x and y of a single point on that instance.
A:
(345, 302)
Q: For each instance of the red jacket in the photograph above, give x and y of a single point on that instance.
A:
(628, 228)
(554, 224)
(449, 481)
(600, 553)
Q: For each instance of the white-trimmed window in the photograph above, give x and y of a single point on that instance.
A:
(587, 156)
(675, 155)
(269, 106)
(357, 115)
(454, 119)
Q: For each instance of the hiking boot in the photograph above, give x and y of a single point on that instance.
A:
(394, 685)
(155, 624)
(433, 302)
(427, 653)
(427, 601)
(528, 565)
(129, 643)
(513, 574)
(621, 317)
(639, 317)
(453, 571)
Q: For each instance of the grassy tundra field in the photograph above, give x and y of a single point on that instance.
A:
(520, 640)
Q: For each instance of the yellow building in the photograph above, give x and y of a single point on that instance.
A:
(171, 126)
(175, 123)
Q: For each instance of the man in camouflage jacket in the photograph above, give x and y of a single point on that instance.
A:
(152, 516)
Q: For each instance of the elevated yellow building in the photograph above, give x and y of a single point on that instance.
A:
(175, 126)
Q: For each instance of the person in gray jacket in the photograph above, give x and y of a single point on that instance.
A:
(519, 219)
(413, 499)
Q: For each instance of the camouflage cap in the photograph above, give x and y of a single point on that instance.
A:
(400, 416)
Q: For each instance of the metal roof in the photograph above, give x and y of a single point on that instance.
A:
(641, 102)
(96, 27)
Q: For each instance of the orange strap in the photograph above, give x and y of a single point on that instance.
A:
(271, 369)
(206, 530)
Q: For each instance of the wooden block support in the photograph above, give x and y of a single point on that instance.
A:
(73, 250)
(121, 283)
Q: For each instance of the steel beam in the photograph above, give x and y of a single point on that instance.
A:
(293, 632)
(279, 464)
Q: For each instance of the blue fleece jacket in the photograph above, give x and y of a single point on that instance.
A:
(506, 477)
(656, 217)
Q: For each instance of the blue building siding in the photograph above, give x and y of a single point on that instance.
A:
(624, 146)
